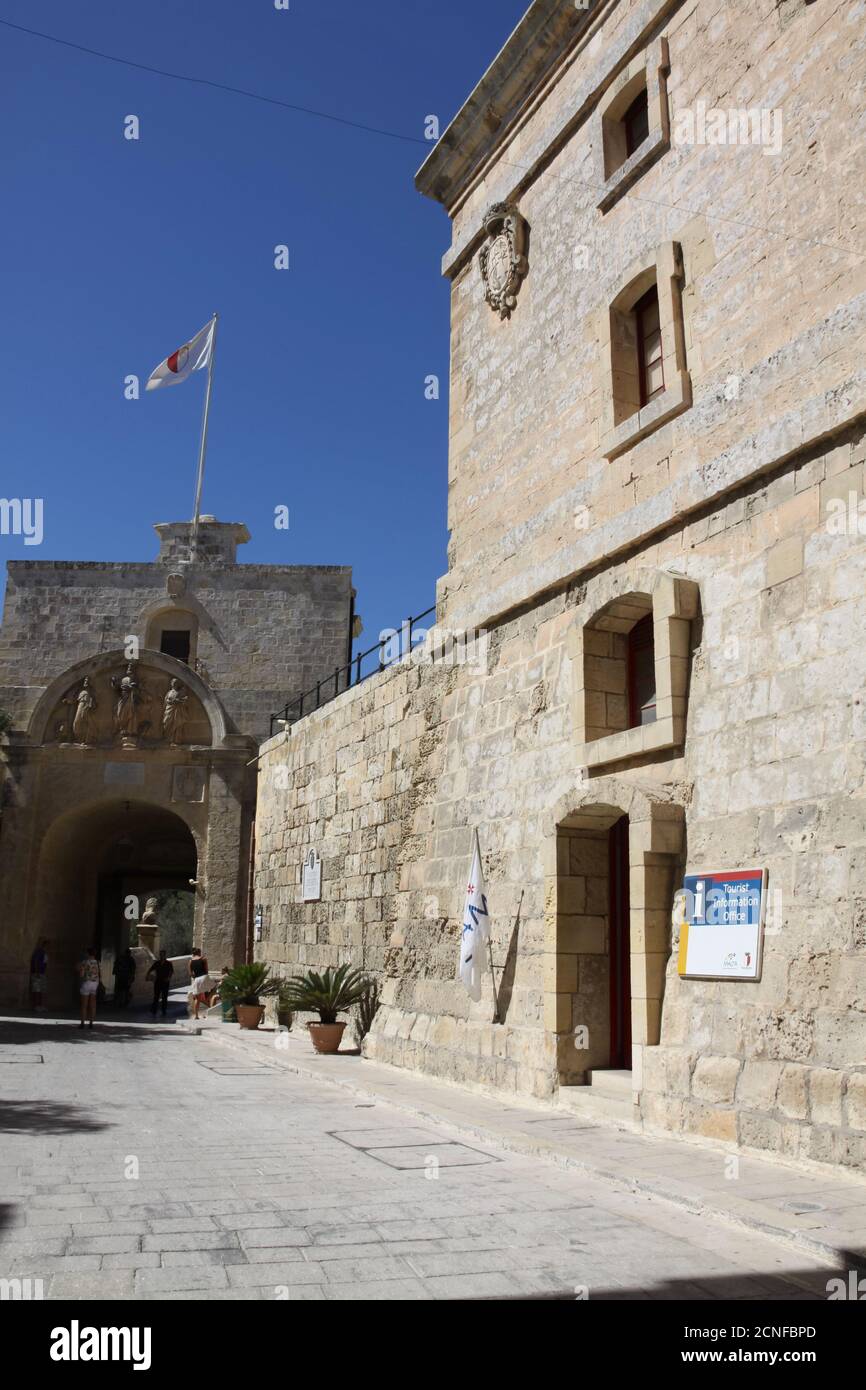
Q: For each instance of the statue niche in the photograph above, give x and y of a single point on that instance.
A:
(133, 699)
(81, 724)
(128, 709)
(174, 713)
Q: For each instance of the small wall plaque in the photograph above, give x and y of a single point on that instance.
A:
(124, 774)
(312, 878)
(187, 784)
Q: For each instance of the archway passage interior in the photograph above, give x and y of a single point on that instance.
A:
(92, 862)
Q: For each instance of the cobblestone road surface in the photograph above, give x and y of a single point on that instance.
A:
(137, 1163)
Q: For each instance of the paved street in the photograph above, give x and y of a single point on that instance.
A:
(139, 1163)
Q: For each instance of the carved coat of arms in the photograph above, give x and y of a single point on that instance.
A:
(503, 257)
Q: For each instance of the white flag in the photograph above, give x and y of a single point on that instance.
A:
(476, 928)
(187, 359)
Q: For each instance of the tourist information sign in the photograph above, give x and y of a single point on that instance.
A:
(721, 915)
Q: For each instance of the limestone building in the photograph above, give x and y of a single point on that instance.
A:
(139, 694)
(657, 448)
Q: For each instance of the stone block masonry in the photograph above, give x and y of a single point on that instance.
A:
(657, 416)
(97, 815)
(387, 782)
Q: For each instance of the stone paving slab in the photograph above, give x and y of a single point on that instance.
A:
(684, 1172)
(253, 1192)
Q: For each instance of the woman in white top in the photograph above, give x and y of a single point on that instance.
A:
(89, 978)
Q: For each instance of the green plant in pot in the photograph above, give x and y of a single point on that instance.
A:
(243, 989)
(368, 1007)
(285, 1016)
(328, 995)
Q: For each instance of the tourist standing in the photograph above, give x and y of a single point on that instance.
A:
(162, 971)
(38, 976)
(124, 974)
(88, 974)
(199, 987)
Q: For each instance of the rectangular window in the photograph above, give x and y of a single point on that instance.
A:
(642, 673)
(175, 644)
(649, 347)
(636, 122)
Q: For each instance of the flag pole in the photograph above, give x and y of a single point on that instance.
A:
(203, 449)
(476, 845)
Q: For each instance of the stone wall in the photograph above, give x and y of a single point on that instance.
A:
(773, 287)
(738, 521)
(87, 823)
(387, 781)
(265, 632)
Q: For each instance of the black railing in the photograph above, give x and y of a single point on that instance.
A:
(344, 677)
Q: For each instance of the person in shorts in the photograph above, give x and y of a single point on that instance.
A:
(89, 980)
(38, 976)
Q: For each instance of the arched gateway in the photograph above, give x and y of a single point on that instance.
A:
(138, 695)
(97, 866)
(129, 785)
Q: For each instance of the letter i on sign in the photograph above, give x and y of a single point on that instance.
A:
(699, 900)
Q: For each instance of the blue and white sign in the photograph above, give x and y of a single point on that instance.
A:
(721, 915)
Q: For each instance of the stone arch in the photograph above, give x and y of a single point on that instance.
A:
(91, 859)
(577, 932)
(174, 615)
(105, 662)
(598, 645)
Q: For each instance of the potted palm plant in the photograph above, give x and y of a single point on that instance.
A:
(243, 989)
(327, 995)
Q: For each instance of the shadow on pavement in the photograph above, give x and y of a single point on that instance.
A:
(66, 1030)
(46, 1117)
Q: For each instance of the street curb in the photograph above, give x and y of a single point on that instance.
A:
(527, 1147)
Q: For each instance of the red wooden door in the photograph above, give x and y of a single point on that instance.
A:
(620, 948)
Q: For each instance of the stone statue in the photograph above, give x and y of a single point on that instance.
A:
(148, 927)
(84, 720)
(131, 700)
(174, 714)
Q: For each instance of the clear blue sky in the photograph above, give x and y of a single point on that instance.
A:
(116, 251)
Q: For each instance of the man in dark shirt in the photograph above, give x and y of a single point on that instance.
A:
(162, 971)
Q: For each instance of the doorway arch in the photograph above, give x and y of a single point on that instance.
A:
(613, 853)
(92, 860)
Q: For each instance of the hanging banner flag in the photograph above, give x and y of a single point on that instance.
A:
(475, 935)
(722, 924)
(189, 358)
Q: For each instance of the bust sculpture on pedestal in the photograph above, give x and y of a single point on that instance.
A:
(148, 927)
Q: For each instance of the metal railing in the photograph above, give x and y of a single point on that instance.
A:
(344, 677)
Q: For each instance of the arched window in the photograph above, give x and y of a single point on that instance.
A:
(173, 631)
(632, 123)
(631, 657)
(643, 335)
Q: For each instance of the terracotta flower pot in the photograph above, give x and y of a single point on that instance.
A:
(326, 1036)
(250, 1015)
